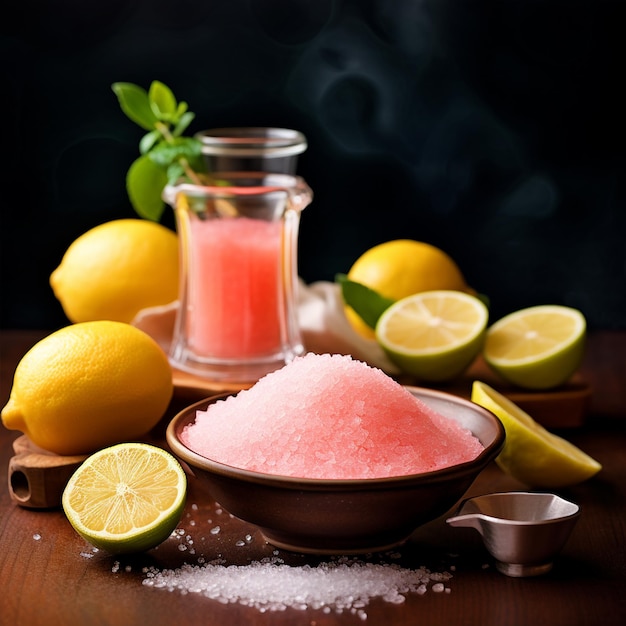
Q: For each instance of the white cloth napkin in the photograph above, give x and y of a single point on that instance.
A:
(323, 325)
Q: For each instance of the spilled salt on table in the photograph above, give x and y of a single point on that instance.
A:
(270, 585)
(342, 584)
(329, 416)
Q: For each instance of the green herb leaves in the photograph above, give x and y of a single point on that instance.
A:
(366, 302)
(166, 155)
(145, 182)
(135, 102)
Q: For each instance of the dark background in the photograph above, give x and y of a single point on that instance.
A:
(492, 129)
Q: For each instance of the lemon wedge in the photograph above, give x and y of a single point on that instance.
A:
(531, 453)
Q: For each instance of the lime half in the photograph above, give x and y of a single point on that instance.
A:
(433, 335)
(537, 348)
(126, 498)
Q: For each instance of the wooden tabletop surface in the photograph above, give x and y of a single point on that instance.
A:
(48, 575)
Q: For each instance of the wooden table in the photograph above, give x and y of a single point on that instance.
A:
(48, 575)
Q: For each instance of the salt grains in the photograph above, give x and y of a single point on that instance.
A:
(270, 585)
(329, 416)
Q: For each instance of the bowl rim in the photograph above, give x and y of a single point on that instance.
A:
(194, 459)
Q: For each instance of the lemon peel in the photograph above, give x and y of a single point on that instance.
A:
(116, 269)
(89, 385)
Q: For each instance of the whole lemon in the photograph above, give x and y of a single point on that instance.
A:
(116, 269)
(400, 268)
(89, 385)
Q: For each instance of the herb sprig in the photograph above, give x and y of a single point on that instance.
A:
(166, 155)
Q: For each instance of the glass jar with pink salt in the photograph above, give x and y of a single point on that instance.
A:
(237, 318)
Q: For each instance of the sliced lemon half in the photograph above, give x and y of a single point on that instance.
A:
(433, 335)
(537, 348)
(126, 498)
(531, 453)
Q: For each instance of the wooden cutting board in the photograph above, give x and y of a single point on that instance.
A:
(559, 408)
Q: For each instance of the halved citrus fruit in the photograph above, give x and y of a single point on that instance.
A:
(531, 453)
(126, 498)
(537, 348)
(399, 268)
(433, 335)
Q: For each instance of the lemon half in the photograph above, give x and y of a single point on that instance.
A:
(532, 454)
(434, 335)
(126, 498)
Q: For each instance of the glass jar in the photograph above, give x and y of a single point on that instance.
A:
(237, 317)
(247, 149)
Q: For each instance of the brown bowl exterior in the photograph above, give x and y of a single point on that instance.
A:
(326, 516)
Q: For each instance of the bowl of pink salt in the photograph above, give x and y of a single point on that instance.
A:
(328, 455)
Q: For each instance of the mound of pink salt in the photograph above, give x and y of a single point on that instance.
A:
(329, 416)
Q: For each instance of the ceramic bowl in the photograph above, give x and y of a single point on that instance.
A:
(341, 516)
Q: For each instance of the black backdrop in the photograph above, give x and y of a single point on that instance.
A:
(493, 129)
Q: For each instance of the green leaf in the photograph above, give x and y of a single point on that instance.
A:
(166, 156)
(135, 103)
(148, 141)
(166, 153)
(175, 172)
(162, 101)
(366, 302)
(145, 182)
(183, 123)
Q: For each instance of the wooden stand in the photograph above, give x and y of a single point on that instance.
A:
(37, 477)
(561, 407)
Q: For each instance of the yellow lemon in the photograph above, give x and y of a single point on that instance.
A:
(531, 453)
(537, 348)
(116, 269)
(89, 385)
(126, 498)
(434, 335)
(399, 268)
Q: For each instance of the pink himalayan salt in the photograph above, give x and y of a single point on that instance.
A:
(329, 416)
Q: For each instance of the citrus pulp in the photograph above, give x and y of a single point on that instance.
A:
(537, 348)
(126, 498)
(399, 268)
(433, 335)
